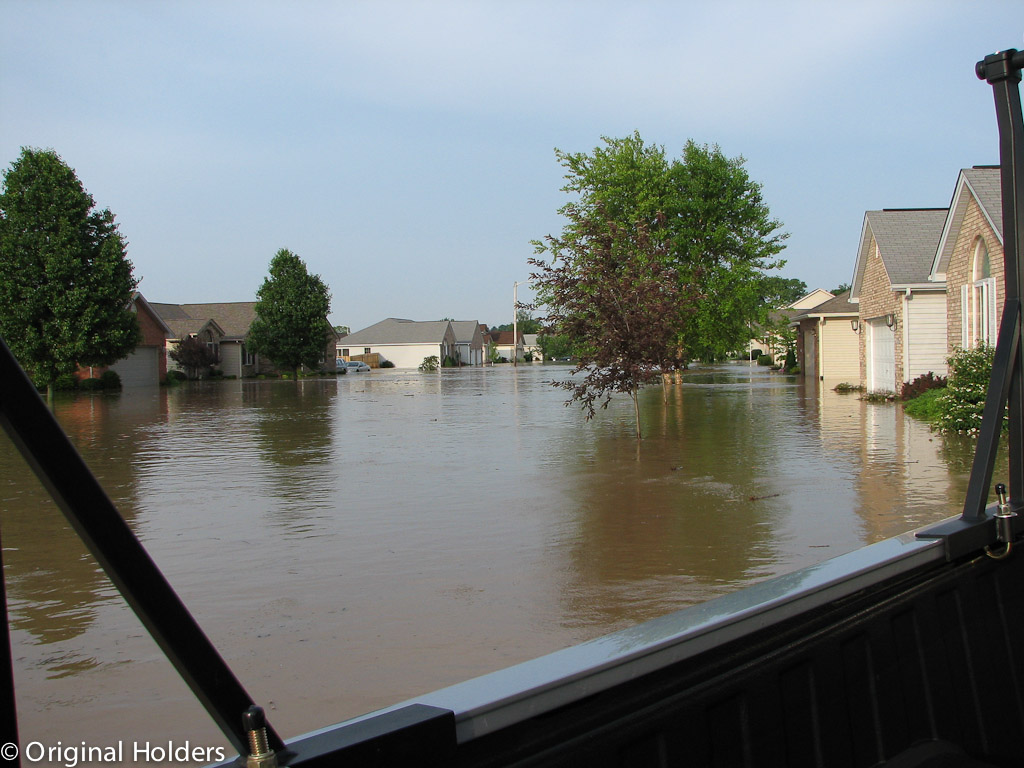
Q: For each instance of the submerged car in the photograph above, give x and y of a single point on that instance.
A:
(352, 366)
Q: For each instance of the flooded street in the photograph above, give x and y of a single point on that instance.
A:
(350, 543)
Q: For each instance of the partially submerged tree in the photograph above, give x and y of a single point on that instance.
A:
(291, 327)
(194, 355)
(66, 283)
(719, 233)
(610, 288)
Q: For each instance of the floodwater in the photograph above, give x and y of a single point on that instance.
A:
(351, 543)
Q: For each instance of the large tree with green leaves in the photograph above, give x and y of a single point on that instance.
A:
(722, 240)
(291, 327)
(66, 283)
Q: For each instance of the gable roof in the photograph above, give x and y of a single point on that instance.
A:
(140, 301)
(233, 317)
(983, 183)
(465, 330)
(906, 239)
(837, 305)
(812, 299)
(396, 330)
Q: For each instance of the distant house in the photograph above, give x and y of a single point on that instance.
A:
(827, 344)
(224, 327)
(508, 345)
(469, 342)
(531, 346)
(902, 311)
(403, 342)
(769, 341)
(146, 365)
(969, 259)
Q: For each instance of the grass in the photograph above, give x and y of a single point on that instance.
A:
(926, 405)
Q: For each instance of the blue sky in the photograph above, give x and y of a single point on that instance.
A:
(405, 150)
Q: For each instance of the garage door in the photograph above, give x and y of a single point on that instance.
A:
(140, 369)
(882, 376)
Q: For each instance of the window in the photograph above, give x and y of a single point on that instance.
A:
(366, 350)
(978, 322)
(248, 358)
(345, 352)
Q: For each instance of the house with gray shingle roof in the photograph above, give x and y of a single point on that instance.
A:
(469, 342)
(902, 308)
(827, 344)
(969, 258)
(223, 326)
(403, 342)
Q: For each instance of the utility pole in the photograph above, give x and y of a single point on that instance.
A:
(515, 323)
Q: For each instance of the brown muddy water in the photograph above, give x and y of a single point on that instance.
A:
(351, 543)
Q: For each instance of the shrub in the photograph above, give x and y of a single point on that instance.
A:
(65, 382)
(790, 363)
(846, 386)
(926, 406)
(91, 385)
(920, 385)
(110, 380)
(764, 360)
(430, 363)
(386, 364)
(964, 400)
(449, 362)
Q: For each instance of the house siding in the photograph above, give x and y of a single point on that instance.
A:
(959, 272)
(838, 350)
(230, 359)
(925, 334)
(877, 299)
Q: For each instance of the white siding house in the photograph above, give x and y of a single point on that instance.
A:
(924, 334)
(827, 342)
(899, 301)
(469, 342)
(403, 342)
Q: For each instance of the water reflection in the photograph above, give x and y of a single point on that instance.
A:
(349, 543)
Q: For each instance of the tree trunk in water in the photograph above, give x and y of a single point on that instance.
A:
(636, 410)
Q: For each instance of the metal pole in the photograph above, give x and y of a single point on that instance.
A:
(515, 324)
(1003, 72)
(65, 475)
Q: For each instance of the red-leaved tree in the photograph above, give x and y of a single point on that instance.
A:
(610, 289)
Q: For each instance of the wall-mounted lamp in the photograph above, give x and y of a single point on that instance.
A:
(855, 324)
(890, 320)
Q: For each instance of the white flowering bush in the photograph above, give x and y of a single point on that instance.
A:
(961, 406)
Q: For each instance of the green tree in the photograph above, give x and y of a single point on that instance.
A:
(66, 283)
(291, 326)
(555, 346)
(525, 321)
(722, 239)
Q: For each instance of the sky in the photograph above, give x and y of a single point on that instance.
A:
(406, 150)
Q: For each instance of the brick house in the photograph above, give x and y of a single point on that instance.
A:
(224, 326)
(969, 259)
(146, 365)
(902, 306)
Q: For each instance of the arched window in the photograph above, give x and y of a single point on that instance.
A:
(978, 300)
